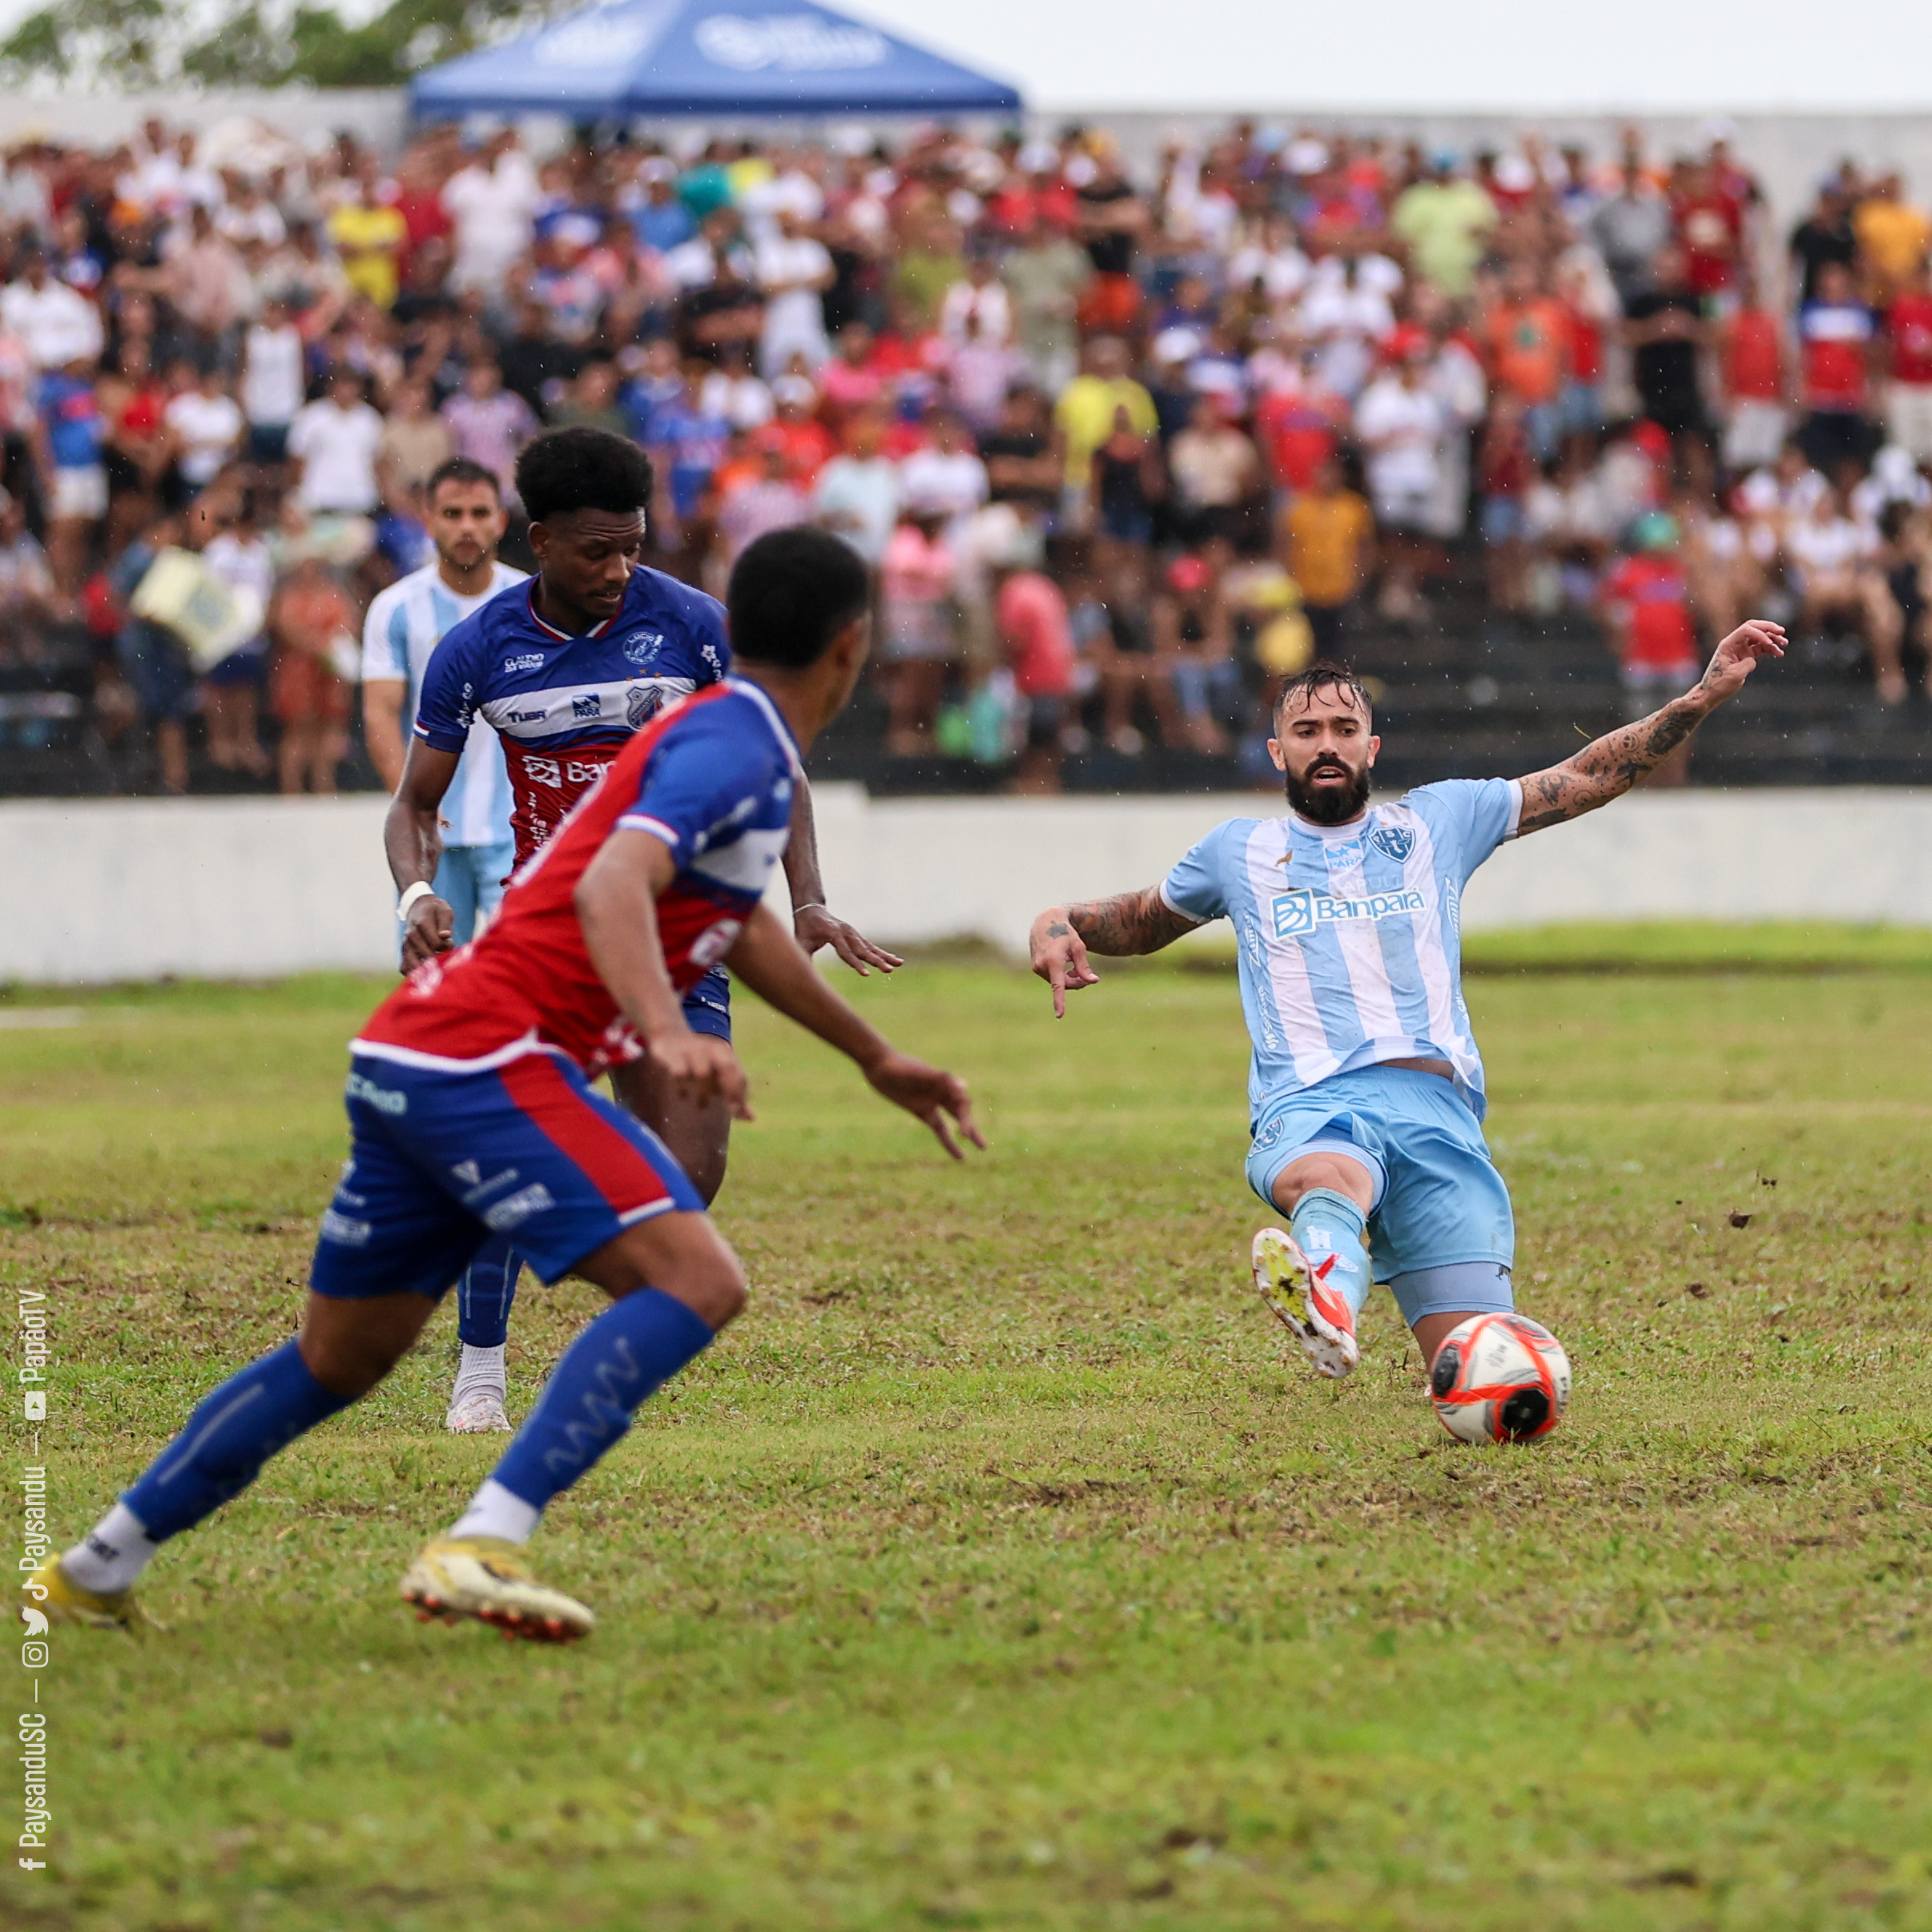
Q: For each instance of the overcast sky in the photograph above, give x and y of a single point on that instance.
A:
(1519, 55)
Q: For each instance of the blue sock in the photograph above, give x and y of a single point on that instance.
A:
(485, 1294)
(638, 1342)
(228, 1439)
(1328, 1228)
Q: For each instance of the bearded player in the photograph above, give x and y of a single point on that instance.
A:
(1365, 1093)
(471, 1111)
(564, 672)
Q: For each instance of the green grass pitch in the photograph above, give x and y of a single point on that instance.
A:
(999, 1569)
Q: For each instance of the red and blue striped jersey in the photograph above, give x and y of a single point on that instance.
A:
(714, 778)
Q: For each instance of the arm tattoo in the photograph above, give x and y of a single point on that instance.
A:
(1607, 768)
(1128, 923)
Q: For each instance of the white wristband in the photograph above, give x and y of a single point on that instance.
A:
(422, 889)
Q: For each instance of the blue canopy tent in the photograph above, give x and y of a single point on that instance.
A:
(718, 58)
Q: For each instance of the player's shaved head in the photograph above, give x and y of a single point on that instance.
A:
(791, 592)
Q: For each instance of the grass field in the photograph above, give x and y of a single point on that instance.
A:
(998, 1569)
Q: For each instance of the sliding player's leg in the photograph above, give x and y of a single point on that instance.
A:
(1320, 1163)
(392, 1240)
(1446, 1234)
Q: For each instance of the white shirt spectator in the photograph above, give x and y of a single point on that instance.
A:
(495, 211)
(742, 400)
(1401, 427)
(273, 377)
(794, 314)
(1376, 273)
(208, 431)
(57, 325)
(794, 192)
(988, 304)
(1347, 322)
(338, 449)
(1283, 270)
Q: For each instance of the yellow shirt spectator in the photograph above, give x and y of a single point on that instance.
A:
(1084, 416)
(1893, 237)
(370, 241)
(1327, 535)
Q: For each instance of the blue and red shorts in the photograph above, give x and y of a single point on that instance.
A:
(440, 1162)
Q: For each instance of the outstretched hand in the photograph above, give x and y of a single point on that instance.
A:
(1737, 657)
(1059, 957)
(928, 1094)
(813, 927)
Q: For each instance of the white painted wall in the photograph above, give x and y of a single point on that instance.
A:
(116, 889)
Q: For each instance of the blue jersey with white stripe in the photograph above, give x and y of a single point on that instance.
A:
(1350, 935)
(404, 625)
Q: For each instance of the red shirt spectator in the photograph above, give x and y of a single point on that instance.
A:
(1753, 356)
(1651, 589)
(1710, 230)
(1908, 329)
(1835, 342)
(1032, 615)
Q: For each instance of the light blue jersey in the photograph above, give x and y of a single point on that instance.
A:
(405, 624)
(1350, 935)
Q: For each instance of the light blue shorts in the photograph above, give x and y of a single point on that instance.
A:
(1441, 1233)
(471, 879)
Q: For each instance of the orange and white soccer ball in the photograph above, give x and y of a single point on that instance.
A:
(1500, 1378)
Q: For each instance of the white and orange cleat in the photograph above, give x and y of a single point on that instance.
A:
(485, 1577)
(1318, 1316)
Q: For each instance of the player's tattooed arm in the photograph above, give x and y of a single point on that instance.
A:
(1608, 767)
(1129, 923)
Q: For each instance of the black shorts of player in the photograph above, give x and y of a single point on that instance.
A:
(707, 1006)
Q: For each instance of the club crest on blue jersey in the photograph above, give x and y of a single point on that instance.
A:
(641, 702)
(1397, 841)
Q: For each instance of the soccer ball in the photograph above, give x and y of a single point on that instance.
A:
(1499, 1378)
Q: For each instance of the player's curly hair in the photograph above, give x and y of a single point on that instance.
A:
(1320, 677)
(579, 468)
(792, 592)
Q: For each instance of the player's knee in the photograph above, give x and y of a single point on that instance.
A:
(1317, 1170)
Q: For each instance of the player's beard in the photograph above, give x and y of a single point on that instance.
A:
(1327, 806)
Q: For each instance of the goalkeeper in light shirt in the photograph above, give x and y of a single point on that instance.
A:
(1366, 1095)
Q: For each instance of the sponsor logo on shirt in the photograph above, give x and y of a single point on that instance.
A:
(1397, 841)
(531, 660)
(384, 1100)
(1297, 913)
(589, 707)
(641, 647)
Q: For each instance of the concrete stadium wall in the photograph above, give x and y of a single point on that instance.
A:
(93, 891)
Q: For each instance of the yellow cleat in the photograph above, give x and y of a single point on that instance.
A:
(52, 1594)
(485, 1577)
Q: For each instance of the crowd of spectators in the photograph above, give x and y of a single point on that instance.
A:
(1125, 452)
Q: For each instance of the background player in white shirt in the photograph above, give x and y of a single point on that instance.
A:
(405, 624)
(1365, 1094)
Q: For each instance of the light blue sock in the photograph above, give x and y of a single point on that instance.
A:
(1328, 1228)
(485, 1294)
(228, 1439)
(640, 1341)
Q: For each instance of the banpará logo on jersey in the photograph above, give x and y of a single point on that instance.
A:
(531, 660)
(641, 702)
(591, 705)
(641, 647)
(1397, 841)
(1296, 913)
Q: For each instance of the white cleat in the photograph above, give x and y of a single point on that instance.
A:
(1310, 1310)
(478, 1412)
